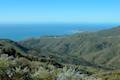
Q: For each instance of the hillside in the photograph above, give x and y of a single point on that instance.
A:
(17, 64)
(13, 49)
(99, 48)
(81, 56)
(10, 47)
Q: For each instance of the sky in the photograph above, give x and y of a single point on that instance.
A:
(56, 11)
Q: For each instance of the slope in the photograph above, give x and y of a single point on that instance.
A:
(98, 48)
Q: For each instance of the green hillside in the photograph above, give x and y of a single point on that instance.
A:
(101, 48)
(17, 64)
(81, 56)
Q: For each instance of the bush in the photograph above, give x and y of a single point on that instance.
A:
(4, 62)
(42, 74)
(23, 69)
(21, 74)
(72, 74)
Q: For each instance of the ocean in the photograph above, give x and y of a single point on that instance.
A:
(24, 31)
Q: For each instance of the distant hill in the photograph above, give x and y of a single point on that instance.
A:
(93, 48)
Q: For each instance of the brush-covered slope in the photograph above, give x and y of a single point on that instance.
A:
(101, 47)
(10, 47)
(17, 64)
(14, 50)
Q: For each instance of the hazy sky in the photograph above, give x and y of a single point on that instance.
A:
(47, 11)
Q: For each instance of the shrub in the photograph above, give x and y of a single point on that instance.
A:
(68, 74)
(21, 74)
(24, 69)
(72, 74)
(42, 74)
(5, 61)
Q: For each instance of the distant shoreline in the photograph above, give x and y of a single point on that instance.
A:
(24, 31)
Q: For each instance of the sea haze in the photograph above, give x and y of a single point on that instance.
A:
(23, 31)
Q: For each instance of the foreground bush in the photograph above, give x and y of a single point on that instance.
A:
(72, 74)
(23, 69)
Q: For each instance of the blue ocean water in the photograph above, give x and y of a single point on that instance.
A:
(24, 31)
